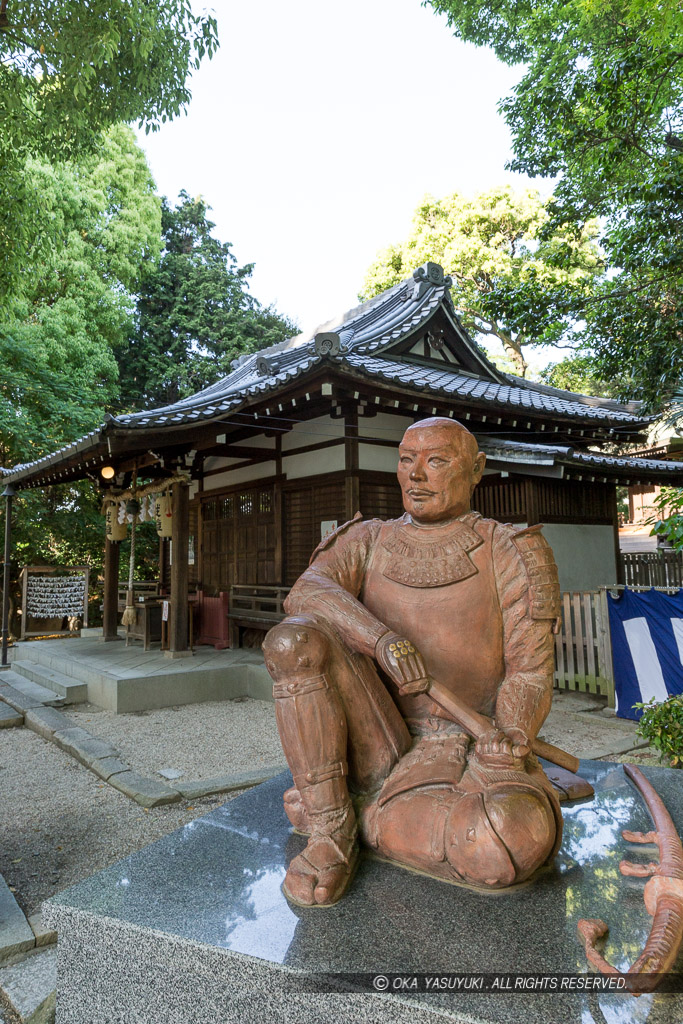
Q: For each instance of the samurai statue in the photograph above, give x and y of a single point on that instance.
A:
(387, 615)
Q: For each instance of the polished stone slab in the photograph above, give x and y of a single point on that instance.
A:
(196, 926)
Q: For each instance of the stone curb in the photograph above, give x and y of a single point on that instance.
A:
(98, 756)
(16, 935)
(9, 717)
(227, 783)
(45, 936)
(101, 758)
(29, 987)
(146, 792)
(46, 721)
(82, 745)
(105, 767)
(21, 702)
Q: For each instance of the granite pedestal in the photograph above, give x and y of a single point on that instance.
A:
(194, 928)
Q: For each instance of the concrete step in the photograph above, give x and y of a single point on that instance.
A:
(67, 689)
(32, 689)
(37, 658)
(29, 986)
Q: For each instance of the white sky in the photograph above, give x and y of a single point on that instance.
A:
(317, 128)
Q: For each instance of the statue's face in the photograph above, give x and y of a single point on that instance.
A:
(438, 468)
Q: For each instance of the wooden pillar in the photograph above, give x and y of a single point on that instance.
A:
(162, 564)
(531, 501)
(110, 612)
(178, 619)
(352, 482)
(8, 495)
(279, 515)
(615, 530)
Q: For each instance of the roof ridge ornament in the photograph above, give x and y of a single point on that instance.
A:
(263, 367)
(327, 343)
(429, 274)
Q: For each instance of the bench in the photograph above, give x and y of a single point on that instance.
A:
(254, 607)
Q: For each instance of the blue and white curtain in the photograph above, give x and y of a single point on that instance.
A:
(647, 647)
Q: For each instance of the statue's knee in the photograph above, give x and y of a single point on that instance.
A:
(499, 836)
(295, 646)
(524, 820)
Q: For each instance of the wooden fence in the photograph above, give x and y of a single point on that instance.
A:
(653, 568)
(583, 651)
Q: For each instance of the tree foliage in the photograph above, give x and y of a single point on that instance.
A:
(599, 107)
(195, 313)
(76, 305)
(579, 373)
(506, 268)
(70, 69)
(57, 342)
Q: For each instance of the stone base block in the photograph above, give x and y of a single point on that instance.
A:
(195, 930)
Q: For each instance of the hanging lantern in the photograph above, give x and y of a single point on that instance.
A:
(116, 531)
(163, 514)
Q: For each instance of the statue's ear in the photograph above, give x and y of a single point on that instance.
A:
(478, 468)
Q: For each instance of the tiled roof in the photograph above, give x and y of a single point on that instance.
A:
(620, 467)
(90, 443)
(451, 383)
(359, 339)
(361, 343)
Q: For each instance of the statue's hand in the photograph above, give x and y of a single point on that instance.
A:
(403, 663)
(502, 750)
(521, 744)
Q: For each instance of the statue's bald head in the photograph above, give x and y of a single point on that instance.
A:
(439, 466)
(450, 431)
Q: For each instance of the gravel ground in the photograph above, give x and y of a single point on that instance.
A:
(199, 740)
(648, 756)
(59, 823)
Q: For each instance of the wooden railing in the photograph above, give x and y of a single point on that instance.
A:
(253, 607)
(141, 590)
(653, 568)
(583, 650)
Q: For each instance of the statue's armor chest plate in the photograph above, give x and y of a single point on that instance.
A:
(440, 592)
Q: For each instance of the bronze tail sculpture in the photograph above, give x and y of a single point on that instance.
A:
(663, 897)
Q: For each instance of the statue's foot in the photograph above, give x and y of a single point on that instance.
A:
(319, 876)
(296, 812)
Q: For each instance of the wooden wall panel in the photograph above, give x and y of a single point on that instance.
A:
(504, 500)
(518, 499)
(305, 508)
(380, 498)
(238, 539)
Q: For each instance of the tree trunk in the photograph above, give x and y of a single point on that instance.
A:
(513, 349)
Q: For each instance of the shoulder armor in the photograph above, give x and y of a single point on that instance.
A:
(541, 571)
(333, 536)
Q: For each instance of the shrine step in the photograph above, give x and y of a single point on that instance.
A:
(37, 692)
(66, 689)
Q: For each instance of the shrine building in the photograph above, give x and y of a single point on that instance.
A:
(301, 436)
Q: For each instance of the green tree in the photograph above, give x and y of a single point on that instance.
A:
(76, 308)
(506, 270)
(580, 374)
(70, 69)
(59, 372)
(195, 314)
(599, 107)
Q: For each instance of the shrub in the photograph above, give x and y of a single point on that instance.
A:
(662, 725)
